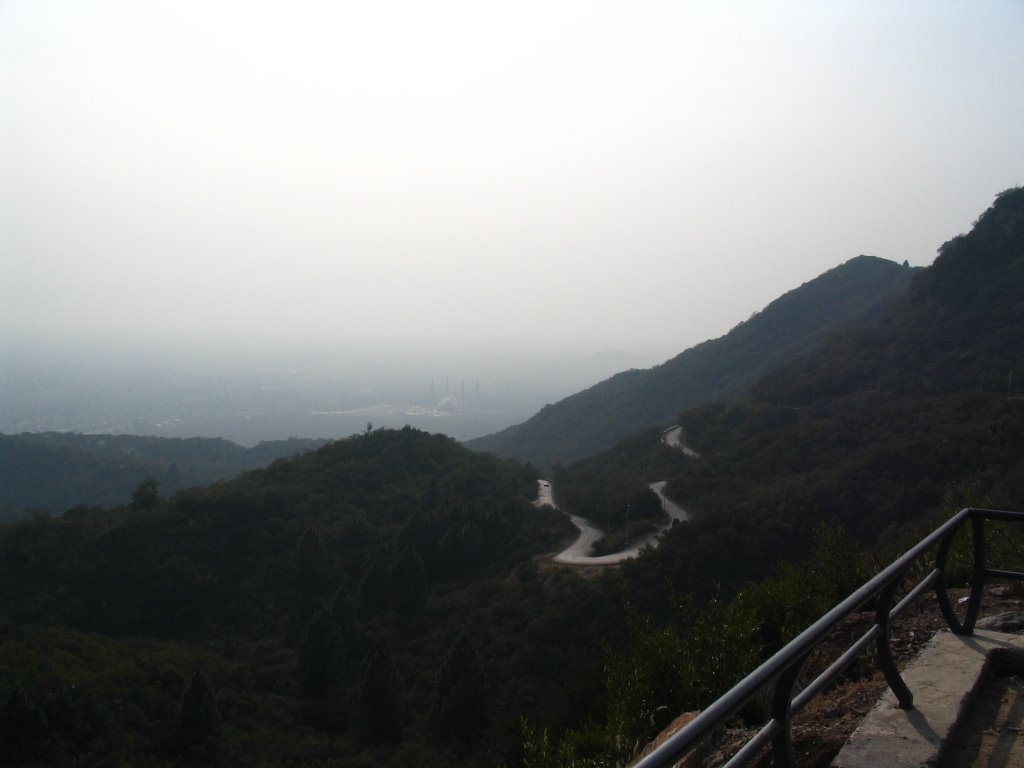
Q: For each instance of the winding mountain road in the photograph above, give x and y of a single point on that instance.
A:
(577, 552)
(673, 438)
(672, 509)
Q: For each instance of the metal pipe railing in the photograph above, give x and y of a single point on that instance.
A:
(783, 668)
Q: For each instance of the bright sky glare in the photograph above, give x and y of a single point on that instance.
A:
(629, 174)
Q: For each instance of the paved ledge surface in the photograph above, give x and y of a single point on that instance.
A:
(943, 678)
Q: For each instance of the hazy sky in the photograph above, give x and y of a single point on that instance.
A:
(630, 173)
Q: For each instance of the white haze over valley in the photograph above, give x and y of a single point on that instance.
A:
(264, 219)
(265, 393)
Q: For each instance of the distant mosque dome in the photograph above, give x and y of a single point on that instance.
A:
(449, 403)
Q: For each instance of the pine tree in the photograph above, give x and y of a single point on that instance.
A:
(432, 498)
(451, 561)
(381, 710)
(21, 725)
(198, 718)
(146, 495)
(408, 580)
(459, 710)
(343, 610)
(374, 587)
(321, 656)
(311, 559)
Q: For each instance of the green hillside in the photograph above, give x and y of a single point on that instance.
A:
(54, 471)
(372, 602)
(957, 329)
(884, 425)
(387, 599)
(881, 433)
(590, 421)
(909, 415)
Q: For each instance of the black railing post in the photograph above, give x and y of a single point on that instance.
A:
(884, 648)
(942, 587)
(965, 627)
(978, 574)
(782, 701)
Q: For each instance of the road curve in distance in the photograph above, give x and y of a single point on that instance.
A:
(673, 438)
(672, 509)
(577, 552)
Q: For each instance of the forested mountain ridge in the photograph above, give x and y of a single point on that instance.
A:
(351, 604)
(910, 415)
(959, 327)
(793, 324)
(385, 600)
(357, 494)
(877, 436)
(54, 471)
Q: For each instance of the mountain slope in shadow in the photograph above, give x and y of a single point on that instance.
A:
(792, 325)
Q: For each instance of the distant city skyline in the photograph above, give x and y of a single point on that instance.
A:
(638, 177)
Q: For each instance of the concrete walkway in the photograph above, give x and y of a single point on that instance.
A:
(944, 679)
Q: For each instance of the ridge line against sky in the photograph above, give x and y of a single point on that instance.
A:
(611, 172)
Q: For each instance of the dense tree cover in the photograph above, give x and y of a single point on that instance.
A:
(882, 426)
(380, 601)
(459, 711)
(684, 661)
(794, 324)
(348, 605)
(874, 464)
(614, 484)
(959, 327)
(198, 718)
(54, 471)
(882, 431)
